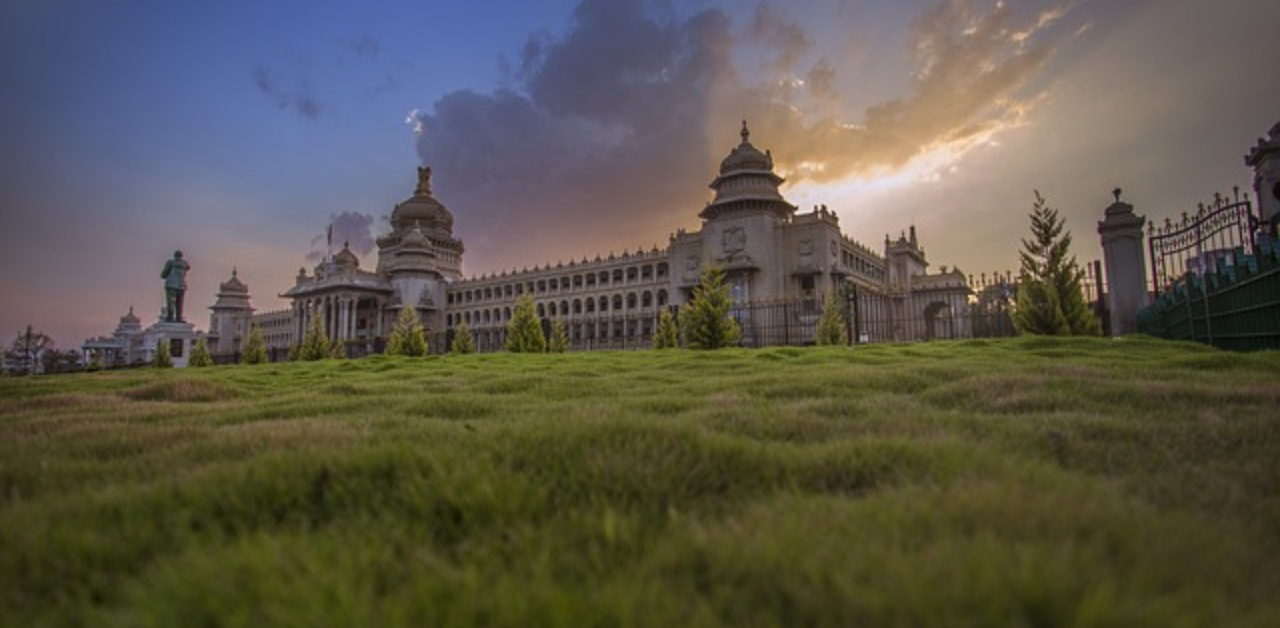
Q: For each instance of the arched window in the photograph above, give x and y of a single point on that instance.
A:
(564, 308)
(591, 305)
(551, 308)
(604, 304)
(617, 302)
(662, 298)
(646, 300)
(542, 310)
(577, 306)
(631, 301)
(617, 275)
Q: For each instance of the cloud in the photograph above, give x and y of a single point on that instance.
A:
(354, 229)
(297, 96)
(602, 134)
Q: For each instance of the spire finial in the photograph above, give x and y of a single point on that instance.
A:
(424, 180)
(746, 133)
(234, 270)
(1116, 192)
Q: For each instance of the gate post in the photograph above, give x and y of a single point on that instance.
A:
(1121, 233)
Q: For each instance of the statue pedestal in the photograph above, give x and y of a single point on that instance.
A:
(181, 338)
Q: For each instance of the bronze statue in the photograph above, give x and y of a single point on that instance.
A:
(175, 286)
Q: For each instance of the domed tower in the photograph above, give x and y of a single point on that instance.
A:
(747, 184)
(420, 256)
(231, 315)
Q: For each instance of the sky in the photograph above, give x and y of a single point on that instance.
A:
(562, 129)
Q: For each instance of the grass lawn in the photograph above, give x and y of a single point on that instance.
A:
(1024, 482)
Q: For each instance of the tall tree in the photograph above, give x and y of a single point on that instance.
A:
(705, 319)
(667, 336)
(1050, 299)
(524, 332)
(407, 336)
(25, 351)
(832, 328)
(255, 348)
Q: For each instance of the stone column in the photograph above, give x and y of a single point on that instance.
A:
(1126, 270)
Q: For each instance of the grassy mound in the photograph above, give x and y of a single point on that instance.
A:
(1038, 482)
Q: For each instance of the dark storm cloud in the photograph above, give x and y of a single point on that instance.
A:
(602, 136)
(352, 229)
(295, 96)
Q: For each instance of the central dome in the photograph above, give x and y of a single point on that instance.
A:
(745, 156)
(422, 209)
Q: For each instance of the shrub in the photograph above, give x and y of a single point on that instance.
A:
(163, 359)
(832, 327)
(559, 338)
(667, 336)
(524, 332)
(255, 348)
(462, 340)
(407, 335)
(200, 355)
(705, 319)
(315, 345)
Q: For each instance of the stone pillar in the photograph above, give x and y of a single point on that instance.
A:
(1126, 269)
(1265, 161)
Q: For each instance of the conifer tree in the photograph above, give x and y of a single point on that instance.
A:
(163, 359)
(667, 336)
(200, 355)
(1050, 300)
(337, 350)
(559, 342)
(463, 342)
(255, 348)
(407, 336)
(294, 353)
(705, 319)
(832, 328)
(524, 332)
(315, 345)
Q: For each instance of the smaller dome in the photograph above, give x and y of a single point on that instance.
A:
(415, 239)
(745, 156)
(422, 208)
(130, 318)
(345, 258)
(233, 284)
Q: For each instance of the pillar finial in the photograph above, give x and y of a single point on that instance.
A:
(1116, 192)
(746, 133)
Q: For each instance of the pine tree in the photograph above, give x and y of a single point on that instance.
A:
(705, 318)
(315, 345)
(559, 342)
(407, 336)
(163, 359)
(832, 328)
(255, 348)
(338, 350)
(667, 337)
(1050, 300)
(524, 332)
(463, 342)
(200, 355)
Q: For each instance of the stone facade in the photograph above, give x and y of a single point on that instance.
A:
(769, 250)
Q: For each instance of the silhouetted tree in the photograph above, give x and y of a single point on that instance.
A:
(1050, 301)
(25, 351)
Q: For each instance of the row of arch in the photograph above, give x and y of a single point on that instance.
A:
(581, 281)
(590, 306)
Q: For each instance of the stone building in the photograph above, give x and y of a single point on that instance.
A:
(772, 254)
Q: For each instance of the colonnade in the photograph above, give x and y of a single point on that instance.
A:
(339, 315)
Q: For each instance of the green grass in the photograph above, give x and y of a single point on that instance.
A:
(1026, 482)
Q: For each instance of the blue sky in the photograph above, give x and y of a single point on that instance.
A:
(236, 131)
